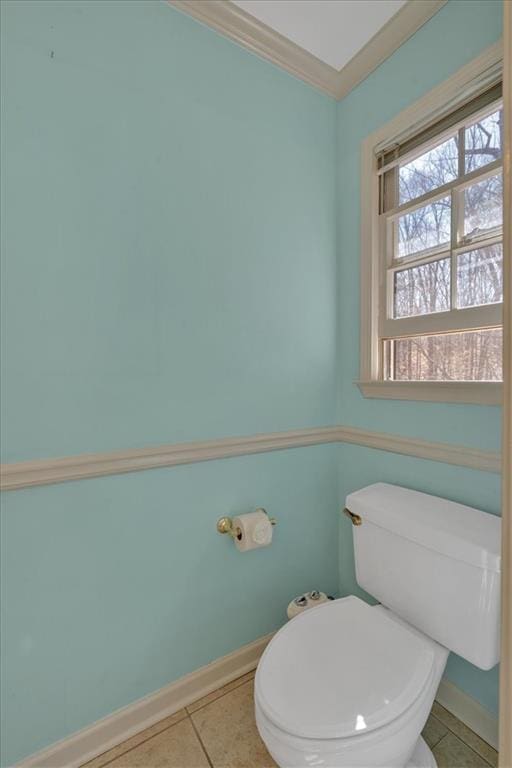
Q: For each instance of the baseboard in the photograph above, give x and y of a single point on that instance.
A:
(470, 711)
(106, 733)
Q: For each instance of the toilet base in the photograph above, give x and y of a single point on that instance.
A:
(422, 757)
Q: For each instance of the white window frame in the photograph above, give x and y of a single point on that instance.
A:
(458, 89)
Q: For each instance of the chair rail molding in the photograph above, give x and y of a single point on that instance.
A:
(238, 25)
(23, 474)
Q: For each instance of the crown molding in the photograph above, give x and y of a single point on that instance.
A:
(231, 21)
(400, 27)
(24, 474)
(238, 25)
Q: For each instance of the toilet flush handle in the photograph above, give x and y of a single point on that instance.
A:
(356, 519)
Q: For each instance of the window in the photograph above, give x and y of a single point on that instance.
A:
(432, 275)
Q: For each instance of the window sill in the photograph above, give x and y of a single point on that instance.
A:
(477, 392)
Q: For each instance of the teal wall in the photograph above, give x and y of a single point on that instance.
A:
(169, 241)
(437, 50)
(114, 587)
(168, 274)
(180, 222)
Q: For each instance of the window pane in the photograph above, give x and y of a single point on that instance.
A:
(431, 170)
(483, 141)
(425, 228)
(424, 289)
(467, 356)
(480, 276)
(483, 203)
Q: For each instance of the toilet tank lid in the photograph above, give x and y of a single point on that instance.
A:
(455, 530)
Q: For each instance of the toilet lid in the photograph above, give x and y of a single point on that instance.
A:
(340, 670)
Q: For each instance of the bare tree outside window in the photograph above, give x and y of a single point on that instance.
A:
(452, 255)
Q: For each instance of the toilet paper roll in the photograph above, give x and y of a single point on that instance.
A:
(254, 530)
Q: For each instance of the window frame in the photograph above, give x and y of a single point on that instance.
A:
(464, 85)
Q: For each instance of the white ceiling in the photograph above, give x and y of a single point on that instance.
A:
(332, 30)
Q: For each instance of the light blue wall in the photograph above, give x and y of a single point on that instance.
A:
(169, 240)
(114, 587)
(169, 274)
(455, 35)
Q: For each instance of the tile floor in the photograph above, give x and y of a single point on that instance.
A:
(219, 731)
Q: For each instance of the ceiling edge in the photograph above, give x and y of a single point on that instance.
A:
(386, 41)
(231, 21)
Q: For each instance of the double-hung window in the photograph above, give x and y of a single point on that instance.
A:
(437, 255)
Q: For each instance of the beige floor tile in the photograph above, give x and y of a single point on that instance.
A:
(465, 734)
(134, 741)
(434, 731)
(451, 752)
(228, 731)
(176, 747)
(220, 692)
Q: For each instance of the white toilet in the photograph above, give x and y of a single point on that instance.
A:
(345, 684)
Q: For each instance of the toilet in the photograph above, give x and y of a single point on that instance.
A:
(349, 685)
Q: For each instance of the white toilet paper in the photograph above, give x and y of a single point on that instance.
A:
(254, 530)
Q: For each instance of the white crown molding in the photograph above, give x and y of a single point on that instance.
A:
(413, 15)
(86, 744)
(231, 21)
(24, 474)
(238, 25)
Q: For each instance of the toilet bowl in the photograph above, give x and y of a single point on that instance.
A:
(346, 685)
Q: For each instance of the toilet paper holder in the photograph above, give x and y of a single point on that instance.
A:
(225, 525)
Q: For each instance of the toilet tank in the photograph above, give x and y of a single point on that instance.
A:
(434, 563)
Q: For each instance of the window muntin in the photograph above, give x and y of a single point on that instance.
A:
(441, 234)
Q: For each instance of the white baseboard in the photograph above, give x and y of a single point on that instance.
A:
(470, 711)
(106, 733)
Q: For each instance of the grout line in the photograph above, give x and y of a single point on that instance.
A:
(189, 716)
(468, 746)
(185, 716)
(431, 715)
(201, 742)
(207, 703)
(130, 749)
(460, 738)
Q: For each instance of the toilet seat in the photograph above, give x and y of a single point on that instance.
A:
(341, 670)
